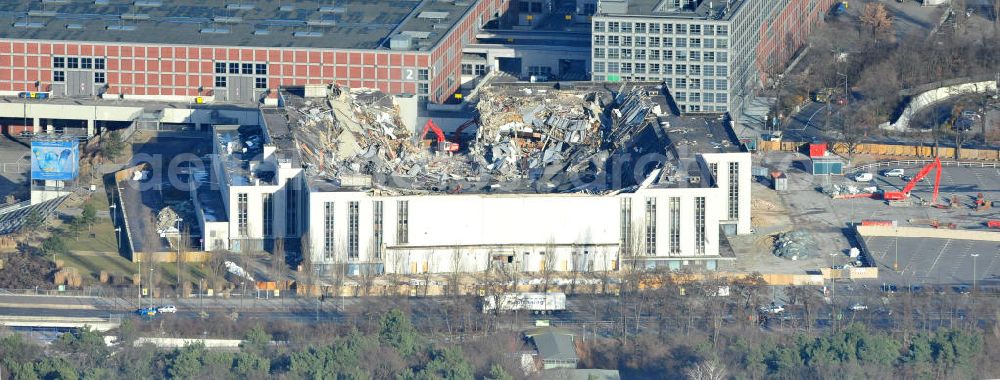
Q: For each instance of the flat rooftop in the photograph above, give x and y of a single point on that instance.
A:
(345, 24)
(703, 9)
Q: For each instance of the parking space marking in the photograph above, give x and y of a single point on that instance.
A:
(945, 247)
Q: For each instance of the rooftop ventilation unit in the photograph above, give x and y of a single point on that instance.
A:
(121, 28)
(102, 2)
(321, 22)
(135, 16)
(261, 32)
(29, 24)
(401, 42)
(416, 34)
(440, 26)
(429, 15)
(214, 31)
(331, 9)
(74, 26)
(307, 34)
(228, 19)
(41, 13)
(240, 7)
(55, 1)
(286, 8)
(148, 3)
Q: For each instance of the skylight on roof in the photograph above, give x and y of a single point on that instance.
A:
(433, 15)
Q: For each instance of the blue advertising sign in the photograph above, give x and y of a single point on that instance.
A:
(55, 160)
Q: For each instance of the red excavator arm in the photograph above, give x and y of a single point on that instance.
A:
(430, 126)
(900, 195)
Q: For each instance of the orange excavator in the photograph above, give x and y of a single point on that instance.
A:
(905, 193)
(443, 144)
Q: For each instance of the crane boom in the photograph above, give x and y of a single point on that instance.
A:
(905, 193)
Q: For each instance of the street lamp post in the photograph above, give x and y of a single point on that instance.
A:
(974, 275)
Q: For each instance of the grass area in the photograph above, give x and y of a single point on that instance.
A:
(91, 265)
(103, 239)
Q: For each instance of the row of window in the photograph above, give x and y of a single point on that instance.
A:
(702, 97)
(259, 82)
(59, 76)
(661, 55)
(241, 68)
(674, 227)
(642, 41)
(478, 69)
(662, 69)
(78, 63)
(658, 28)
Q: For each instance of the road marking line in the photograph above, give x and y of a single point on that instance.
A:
(943, 248)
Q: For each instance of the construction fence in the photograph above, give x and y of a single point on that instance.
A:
(986, 154)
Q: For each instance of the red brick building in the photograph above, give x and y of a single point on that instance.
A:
(235, 52)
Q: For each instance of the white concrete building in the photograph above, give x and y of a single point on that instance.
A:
(661, 224)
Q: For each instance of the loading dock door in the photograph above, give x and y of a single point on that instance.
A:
(240, 89)
(510, 66)
(79, 83)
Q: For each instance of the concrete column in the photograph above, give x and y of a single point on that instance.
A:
(50, 129)
(198, 126)
(36, 127)
(90, 128)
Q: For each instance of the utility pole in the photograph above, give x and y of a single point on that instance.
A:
(974, 256)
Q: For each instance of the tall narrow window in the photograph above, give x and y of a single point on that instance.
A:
(377, 229)
(402, 222)
(734, 190)
(651, 226)
(626, 223)
(675, 225)
(328, 235)
(291, 209)
(714, 169)
(241, 214)
(352, 230)
(267, 202)
(699, 225)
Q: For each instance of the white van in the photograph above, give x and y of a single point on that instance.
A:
(893, 173)
(863, 177)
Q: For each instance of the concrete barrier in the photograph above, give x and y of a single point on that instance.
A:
(928, 98)
(934, 233)
(181, 342)
(97, 324)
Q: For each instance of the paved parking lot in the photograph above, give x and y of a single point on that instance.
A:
(14, 166)
(936, 261)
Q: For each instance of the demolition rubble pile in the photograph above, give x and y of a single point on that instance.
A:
(528, 131)
(525, 138)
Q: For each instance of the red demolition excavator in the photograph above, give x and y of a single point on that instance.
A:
(443, 144)
(905, 193)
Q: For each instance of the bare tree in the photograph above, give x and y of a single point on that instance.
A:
(709, 369)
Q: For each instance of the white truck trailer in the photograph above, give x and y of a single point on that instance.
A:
(537, 303)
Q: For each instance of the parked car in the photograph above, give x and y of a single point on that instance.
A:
(772, 308)
(146, 312)
(166, 309)
(893, 172)
(863, 177)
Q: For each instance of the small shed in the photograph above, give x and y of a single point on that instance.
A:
(826, 165)
(779, 180)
